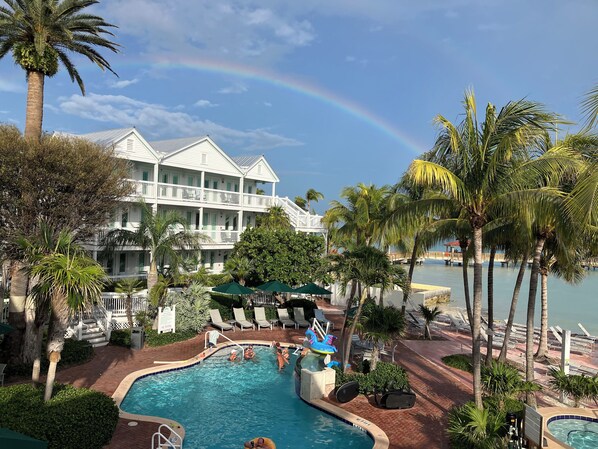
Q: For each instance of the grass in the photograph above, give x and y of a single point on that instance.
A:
(459, 361)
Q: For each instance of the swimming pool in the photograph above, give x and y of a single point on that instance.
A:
(579, 432)
(221, 404)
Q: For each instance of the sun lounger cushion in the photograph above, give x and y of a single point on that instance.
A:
(299, 315)
(217, 320)
(241, 320)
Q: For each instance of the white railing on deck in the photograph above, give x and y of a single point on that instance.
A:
(221, 197)
(217, 236)
(143, 188)
(117, 303)
(261, 201)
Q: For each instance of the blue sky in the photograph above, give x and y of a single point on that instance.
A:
(332, 92)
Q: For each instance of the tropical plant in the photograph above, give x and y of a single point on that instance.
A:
(239, 268)
(274, 218)
(313, 195)
(380, 325)
(162, 234)
(301, 202)
(72, 281)
(128, 286)
(475, 166)
(473, 428)
(504, 381)
(43, 33)
(429, 316)
(576, 386)
(192, 307)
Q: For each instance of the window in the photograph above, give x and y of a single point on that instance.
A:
(204, 158)
(235, 221)
(197, 220)
(124, 218)
(129, 145)
(175, 179)
(247, 221)
(249, 189)
(122, 263)
(228, 186)
(206, 183)
(215, 185)
(165, 178)
(227, 222)
(212, 258)
(141, 262)
(236, 187)
(189, 218)
(145, 178)
(110, 265)
(190, 180)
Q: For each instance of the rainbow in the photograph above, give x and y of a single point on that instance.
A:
(299, 86)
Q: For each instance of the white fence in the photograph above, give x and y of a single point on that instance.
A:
(117, 302)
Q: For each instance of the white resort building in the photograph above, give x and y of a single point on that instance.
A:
(216, 193)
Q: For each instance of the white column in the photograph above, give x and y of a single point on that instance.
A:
(201, 219)
(203, 180)
(273, 189)
(241, 193)
(156, 179)
(566, 351)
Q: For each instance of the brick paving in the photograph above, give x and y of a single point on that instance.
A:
(423, 426)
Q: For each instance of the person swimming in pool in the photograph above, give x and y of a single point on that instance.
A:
(255, 444)
(249, 353)
(233, 355)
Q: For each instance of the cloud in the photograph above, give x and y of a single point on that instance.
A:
(236, 88)
(121, 84)
(12, 87)
(158, 121)
(490, 27)
(267, 104)
(353, 60)
(205, 104)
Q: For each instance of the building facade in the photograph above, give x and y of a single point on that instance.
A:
(218, 195)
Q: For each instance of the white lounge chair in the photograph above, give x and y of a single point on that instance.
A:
(285, 319)
(260, 318)
(320, 318)
(299, 317)
(2, 366)
(241, 320)
(217, 321)
(459, 324)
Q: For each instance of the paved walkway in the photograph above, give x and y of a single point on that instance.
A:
(438, 388)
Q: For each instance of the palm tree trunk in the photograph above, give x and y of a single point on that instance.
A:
(348, 337)
(60, 317)
(35, 105)
(427, 334)
(375, 356)
(152, 275)
(36, 371)
(542, 351)
(346, 317)
(16, 309)
(463, 245)
(531, 306)
(503, 351)
(28, 349)
(477, 316)
(490, 304)
(410, 274)
(129, 310)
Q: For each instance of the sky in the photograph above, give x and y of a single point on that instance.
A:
(332, 92)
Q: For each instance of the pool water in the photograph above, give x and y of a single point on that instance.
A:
(222, 404)
(576, 433)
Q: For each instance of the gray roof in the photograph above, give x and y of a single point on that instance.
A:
(169, 146)
(246, 161)
(107, 137)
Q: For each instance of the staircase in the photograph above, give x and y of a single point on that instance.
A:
(300, 219)
(92, 333)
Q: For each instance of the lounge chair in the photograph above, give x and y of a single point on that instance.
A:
(299, 317)
(217, 321)
(415, 321)
(285, 319)
(459, 324)
(260, 318)
(320, 318)
(241, 320)
(395, 399)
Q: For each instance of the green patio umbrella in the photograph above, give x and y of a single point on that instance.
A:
(5, 328)
(312, 289)
(10, 438)
(233, 288)
(275, 286)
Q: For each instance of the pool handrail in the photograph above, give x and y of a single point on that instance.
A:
(174, 441)
(222, 335)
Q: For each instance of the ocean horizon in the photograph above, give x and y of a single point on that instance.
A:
(568, 304)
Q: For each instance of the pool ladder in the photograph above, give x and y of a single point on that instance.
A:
(220, 334)
(161, 441)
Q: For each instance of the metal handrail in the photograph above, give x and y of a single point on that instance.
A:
(222, 335)
(174, 441)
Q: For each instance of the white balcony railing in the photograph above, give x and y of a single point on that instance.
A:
(143, 188)
(220, 236)
(221, 197)
(260, 201)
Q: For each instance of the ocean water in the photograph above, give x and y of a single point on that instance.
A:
(567, 304)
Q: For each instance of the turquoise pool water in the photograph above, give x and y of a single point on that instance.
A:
(222, 404)
(577, 433)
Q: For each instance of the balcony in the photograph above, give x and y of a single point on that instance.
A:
(220, 236)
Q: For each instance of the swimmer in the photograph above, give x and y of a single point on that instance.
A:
(233, 355)
(249, 353)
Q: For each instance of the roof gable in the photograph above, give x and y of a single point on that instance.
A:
(128, 143)
(260, 170)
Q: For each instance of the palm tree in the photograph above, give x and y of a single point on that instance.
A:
(43, 33)
(313, 195)
(301, 202)
(128, 286)
(275, 218)
(162, 234)
(429, 316)
(239, 268)
(72, 281)
(476, 429)
(473, 166)
(380, 325)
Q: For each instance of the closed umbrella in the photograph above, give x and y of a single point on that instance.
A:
(312, 289)
(10, 438)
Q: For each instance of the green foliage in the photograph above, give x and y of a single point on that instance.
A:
(121, 337)
(472, 428)
(576, 386)
(386, 376)
(459, 361)
(276, 218)
(74, 418)
(280, 254)
(74, 352)
(504, 381)
(192, 307)
(28, 58)
(308, 307)
(153, 338)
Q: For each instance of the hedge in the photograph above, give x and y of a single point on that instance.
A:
(459, 361)
(75, 418)
(386, 376)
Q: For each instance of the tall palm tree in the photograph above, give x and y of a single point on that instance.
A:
(43, 33)
(239, 268)
(473, 166)
(275, 218)
(162, 234)
(72, 281)
(380, 325)
(313, 195)
(301, 202)
(429, 316)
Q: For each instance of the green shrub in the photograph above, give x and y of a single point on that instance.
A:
(386, 376)
(75, 418)
(472, 428)
(192, 307)
(121, 337)
(153, 338)
(75, 352)
(459, 361)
